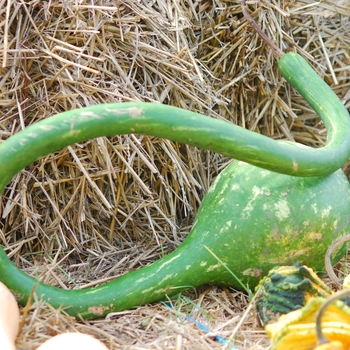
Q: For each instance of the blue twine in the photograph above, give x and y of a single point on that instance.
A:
(205, 329)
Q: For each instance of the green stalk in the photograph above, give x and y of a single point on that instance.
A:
(186, 127)
(167, 276)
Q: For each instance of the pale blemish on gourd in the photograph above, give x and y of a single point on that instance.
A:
(146, 290)
(140, 280)
(224, 189)
(254, 272)
(295, 165)
(95, 290)
(325, 212)
(247, 210)
(213, 267)
(47, 127)
(293, 254)
(135, 112)
(335, 224)
(282, 209)
(188, 267)
(98, 310)
(226, 227)
(256, 193)
(221, 201)
(314, 208)
(90, 114)
(314, 236)
(167, 277)
(212, 187)
(168, 262)
(234, 187)
(203, 263)
(205, 234)
(71, 133)
(163, 290)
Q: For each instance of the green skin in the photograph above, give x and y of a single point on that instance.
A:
(248, 224)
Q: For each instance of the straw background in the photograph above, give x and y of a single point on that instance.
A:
(96, 210)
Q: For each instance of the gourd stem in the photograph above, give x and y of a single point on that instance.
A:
(328, 255)
(279, 53)
(167, 276)
(321, 339)
(57, 132)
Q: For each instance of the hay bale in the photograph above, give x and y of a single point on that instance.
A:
(201, 56)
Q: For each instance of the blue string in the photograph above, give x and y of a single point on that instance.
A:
(205, 329)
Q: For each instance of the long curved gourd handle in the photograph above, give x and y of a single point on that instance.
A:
(193, 129)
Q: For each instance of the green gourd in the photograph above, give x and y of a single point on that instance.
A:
(253, 217)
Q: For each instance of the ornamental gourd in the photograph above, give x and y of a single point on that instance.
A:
(289, 204)
(322, 324)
